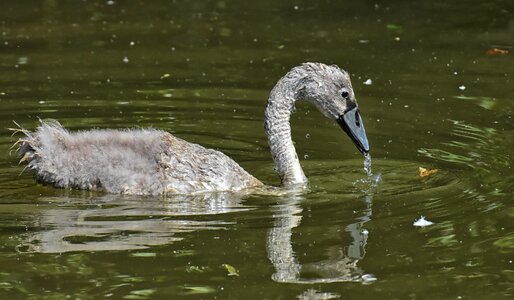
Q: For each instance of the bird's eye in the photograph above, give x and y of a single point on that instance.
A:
(344, 94)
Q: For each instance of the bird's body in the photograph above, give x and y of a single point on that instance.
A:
(135, 161)
(150, 161)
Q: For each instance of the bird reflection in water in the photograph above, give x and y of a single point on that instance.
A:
(341, 266)
(115, 222)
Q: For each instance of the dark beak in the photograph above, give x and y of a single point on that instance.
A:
(351, 123)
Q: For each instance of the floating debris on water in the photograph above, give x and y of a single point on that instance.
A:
(368, 82)
(422, 222)
(462, 87)
(231, 270)
(497, 51)
(424, 172)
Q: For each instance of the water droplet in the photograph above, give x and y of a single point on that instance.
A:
(371, 180)
(368, 82)
(462, 87)
(306, 156)
(307, 136)
(125, 60)
(367, 164)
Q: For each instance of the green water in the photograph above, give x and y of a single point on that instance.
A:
(203, 70)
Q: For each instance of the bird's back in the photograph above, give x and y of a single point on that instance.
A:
(132, 161)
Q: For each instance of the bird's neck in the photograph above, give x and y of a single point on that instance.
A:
(278, 129)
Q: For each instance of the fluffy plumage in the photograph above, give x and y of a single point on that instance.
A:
(131, 161)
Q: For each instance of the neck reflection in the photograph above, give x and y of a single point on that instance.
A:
(340, 266)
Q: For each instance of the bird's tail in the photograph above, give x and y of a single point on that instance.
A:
(26, 147)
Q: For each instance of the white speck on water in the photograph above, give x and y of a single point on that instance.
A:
(462, 87)
(125, 60)
(368, 82)
(110, 2)
(422, 222)
(23, 60)
(307, 136)
(306, 156)
(132, 43)
(365, 232)
(296, 7)
(41, 102)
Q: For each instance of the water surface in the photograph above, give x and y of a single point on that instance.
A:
(430, 96)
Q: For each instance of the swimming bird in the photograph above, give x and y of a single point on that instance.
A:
(151, 161)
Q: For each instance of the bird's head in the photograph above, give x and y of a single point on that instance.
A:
(329, 88)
